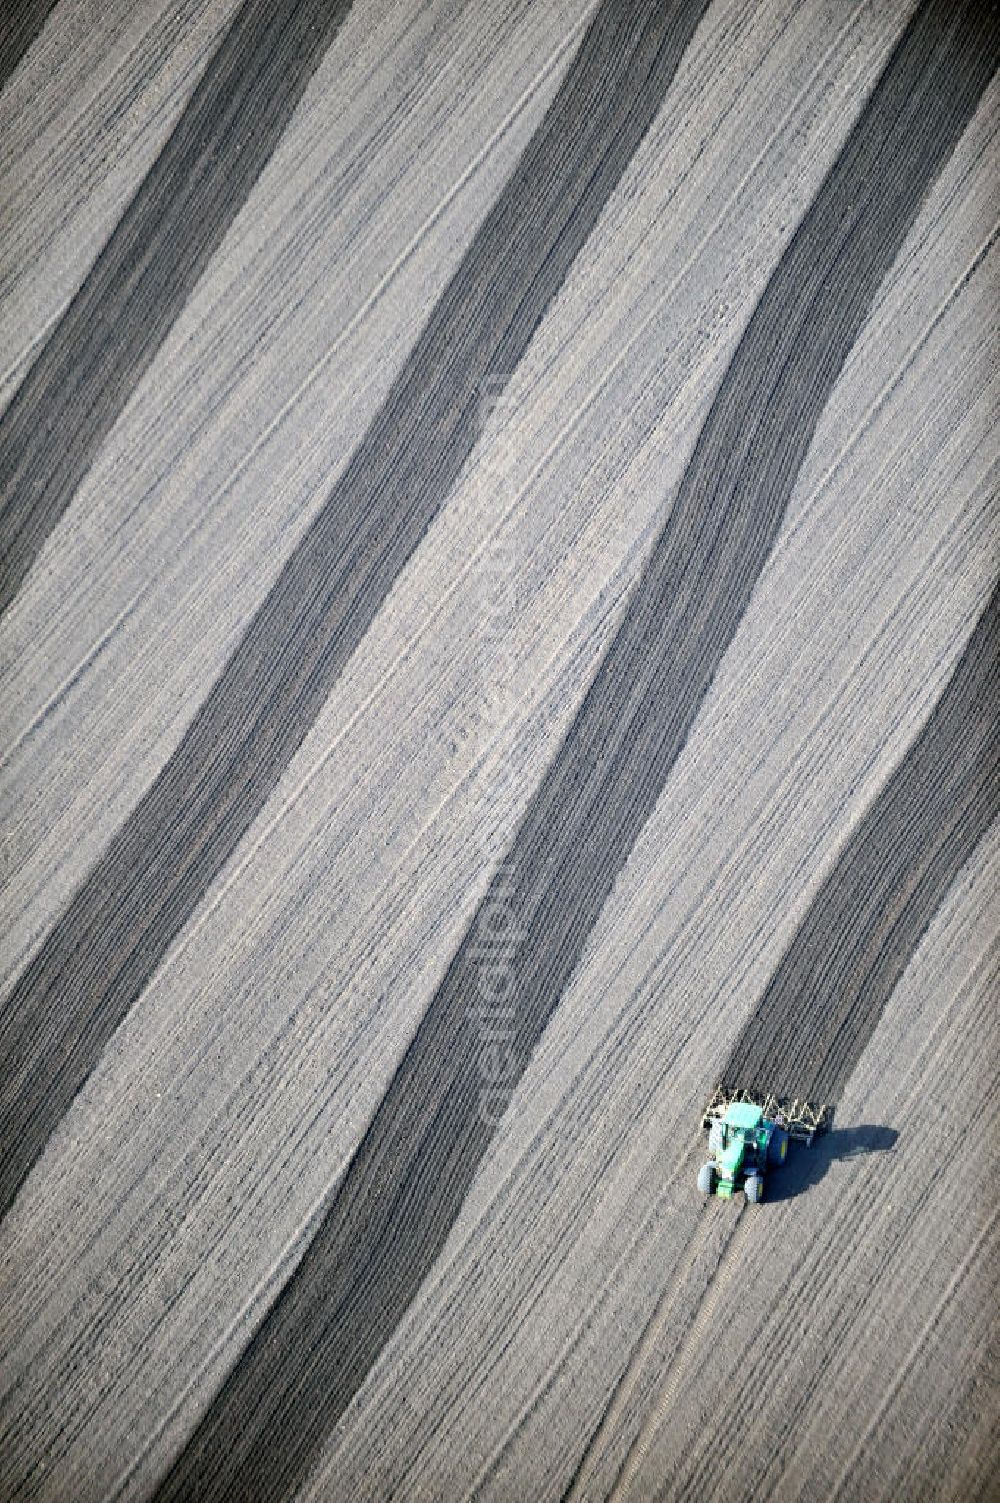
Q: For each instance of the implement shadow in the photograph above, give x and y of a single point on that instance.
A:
(805, 1167)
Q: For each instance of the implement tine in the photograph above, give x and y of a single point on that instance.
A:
(802, 1118)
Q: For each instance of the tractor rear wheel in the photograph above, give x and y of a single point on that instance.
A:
(706, 1178)
(753, 1187)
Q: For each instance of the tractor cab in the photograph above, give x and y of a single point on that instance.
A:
(744, 1118)
(736, 1146)
(748, 1136)
(741, 1126)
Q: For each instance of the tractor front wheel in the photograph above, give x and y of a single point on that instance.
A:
(706, 1179)
(754, 1188)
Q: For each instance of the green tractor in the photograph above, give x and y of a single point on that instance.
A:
(749, 1135)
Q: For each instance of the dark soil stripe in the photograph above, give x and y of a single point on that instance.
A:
(106, 339)
(389, 1219)
(824, 1001)
(20, 24)
(106, 945)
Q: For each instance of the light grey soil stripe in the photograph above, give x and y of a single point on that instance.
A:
(113, 934)
(19, 27)
(390, 1216)
(825, 999)
(106, 339)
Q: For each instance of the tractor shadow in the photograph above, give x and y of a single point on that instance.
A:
(805, 1167)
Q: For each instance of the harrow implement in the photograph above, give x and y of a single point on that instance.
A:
(801, 1119)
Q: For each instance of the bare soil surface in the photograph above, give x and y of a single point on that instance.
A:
(498, 632)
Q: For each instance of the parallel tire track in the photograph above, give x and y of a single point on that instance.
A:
(108, 335)
(863, 1249)
(391, 1215)
(613, 1421)
(824, 1001)
(731, 1261)
(113, 934)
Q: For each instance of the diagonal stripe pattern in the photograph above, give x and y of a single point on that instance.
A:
(389, 1218)
(106, 945)
(824, 1001)
(20, 28)
(105, 341)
